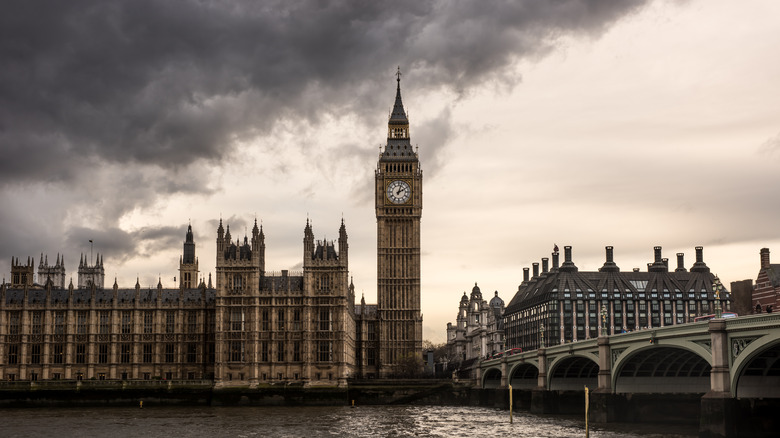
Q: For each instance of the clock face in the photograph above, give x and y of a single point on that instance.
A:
(398, 192)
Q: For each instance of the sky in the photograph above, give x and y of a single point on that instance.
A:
(586, 123)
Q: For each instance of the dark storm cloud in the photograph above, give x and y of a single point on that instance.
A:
(169, 83)
(160, 89)
(119, 245)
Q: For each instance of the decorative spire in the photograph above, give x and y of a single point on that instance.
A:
(398, 116)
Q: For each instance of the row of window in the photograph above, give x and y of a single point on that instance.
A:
(238, 319)
(237, 351)
(104, 322)
(125, 351)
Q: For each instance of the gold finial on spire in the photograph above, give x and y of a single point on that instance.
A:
(398, 74)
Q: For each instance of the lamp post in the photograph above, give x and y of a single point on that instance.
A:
(717, 286)
(541, 334)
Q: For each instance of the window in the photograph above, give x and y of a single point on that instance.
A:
(37, 323)
(264, 352)
(170, 322)
(81, 323)
(148, 322)
(192, 321)
(103, 353)
(126, 323)
(59, 323)
(324, 351)
(148, 355)
(325, 320)
(81, 353)
(124, 353)
(266, 320)
(104, 321)
(280, 351)
(13, 354)
(35, 353)
(280, 319)
(14, 323)
(236, 351)
(192, 353)
(236, 320)
(58, 353)
(296, 319)
(170, 353)
(296, 351)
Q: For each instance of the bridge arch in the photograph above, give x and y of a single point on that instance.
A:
(756, 369)
(573, 372)
(491, 378)
(670, 368)
(524, 375)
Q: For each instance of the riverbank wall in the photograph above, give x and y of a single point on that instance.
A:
(188, 392)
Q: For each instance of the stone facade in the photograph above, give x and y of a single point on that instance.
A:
(51, 333)
(283, 327)
(479, 328)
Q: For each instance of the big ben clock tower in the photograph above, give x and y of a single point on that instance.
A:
(398, 211)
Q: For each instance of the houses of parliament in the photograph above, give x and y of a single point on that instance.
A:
(245, 326)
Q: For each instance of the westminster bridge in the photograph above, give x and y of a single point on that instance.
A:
(726, 372)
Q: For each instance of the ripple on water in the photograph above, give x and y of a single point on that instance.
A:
(308, 422)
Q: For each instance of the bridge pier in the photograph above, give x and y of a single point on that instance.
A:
(718, 415)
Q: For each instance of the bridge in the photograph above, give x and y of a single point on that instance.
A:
(727, 366)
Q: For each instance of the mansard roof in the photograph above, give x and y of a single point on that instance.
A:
(106, 296)
(572, 284)
(275, 282)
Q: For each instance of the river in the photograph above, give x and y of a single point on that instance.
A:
(309, 422)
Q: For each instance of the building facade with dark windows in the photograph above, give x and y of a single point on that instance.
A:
(51, 332)
(562, 304)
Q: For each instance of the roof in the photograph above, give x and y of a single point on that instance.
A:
(570, 283)
(106, 296)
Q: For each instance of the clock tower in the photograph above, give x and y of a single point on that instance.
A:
(398, 201)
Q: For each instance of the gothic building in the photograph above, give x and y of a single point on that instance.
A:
(50, 332)
(479, 328)
(283, 326)
(398, 211)
(253, 326)
(563, 304)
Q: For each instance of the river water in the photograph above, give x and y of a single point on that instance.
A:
(310, 422)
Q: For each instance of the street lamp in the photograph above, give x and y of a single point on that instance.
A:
(604, 328)
(717, 286)
(541, 333)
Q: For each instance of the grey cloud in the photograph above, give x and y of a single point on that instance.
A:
(155, 91)
(170, 83)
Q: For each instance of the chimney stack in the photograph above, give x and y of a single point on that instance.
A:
(700, 266)
(525, 275)
(609, 264)
(536, 269)
(568, 265)
(680, 262)
(764, 258)
(555, 261)
(545, 261)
